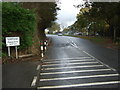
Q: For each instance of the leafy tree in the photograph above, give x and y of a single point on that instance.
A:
(55, 27)
(110, 12)
(66, 30)
(46, 12)
(102, 17)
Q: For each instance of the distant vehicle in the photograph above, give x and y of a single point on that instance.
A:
(60, 34)
(77, 33)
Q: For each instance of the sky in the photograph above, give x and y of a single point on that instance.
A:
(67, 15)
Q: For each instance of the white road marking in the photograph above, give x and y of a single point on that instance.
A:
(71, 60)
(70, 63)
(80, 85)
(73, 44)
(67, 41)
(73, 67)
(100, 61)
(38, 67)
(65, 58)
(34, 81)
(93, 70)
(78, 77)
(94, 58)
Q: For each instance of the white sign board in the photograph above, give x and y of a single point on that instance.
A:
(12, 41)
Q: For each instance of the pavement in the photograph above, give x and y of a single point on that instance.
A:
(18, 75)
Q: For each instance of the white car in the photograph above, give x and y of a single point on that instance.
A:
(60, 34)
(77, 33)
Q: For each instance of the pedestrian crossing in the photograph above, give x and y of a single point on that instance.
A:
(76, 72)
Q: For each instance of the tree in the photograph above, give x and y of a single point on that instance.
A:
(110, 12)
(66, 30)
(46, 12)
(102, 17)
(54, 27)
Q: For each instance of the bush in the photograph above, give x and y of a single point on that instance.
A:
(18, 21)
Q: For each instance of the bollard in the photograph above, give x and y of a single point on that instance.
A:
(41, 46)
(45, 44)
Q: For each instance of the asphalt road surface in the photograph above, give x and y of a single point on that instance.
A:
(73, 62)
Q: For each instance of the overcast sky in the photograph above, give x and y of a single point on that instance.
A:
(67, 15)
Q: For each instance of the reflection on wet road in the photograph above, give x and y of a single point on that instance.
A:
(68, 65)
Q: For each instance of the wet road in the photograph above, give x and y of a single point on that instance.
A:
(74, 62)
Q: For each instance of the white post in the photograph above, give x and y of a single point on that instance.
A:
(42, 54)
(45, 43)
(42, 48)
(8, 51)
(45, 48)
(16, 52)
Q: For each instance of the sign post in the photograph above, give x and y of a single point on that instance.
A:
(8, 51)
(12, 41)
(16, 52)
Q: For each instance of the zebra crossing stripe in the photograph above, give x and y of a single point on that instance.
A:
(66, 58)
(71, 63)
(78, 77)
(80, 85)
(94, 70)
(83, 66)
(73, 60)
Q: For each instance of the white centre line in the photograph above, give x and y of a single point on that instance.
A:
(80, 85)
(75, 71)
(73, 60)
(78, 77)
(70, 63)
(73, 67)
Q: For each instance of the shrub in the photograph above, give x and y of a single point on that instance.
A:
(18, 21)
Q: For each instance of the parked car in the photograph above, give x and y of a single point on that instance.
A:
(77, 33)
(60, 34)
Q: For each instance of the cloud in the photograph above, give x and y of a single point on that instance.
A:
(67, 15)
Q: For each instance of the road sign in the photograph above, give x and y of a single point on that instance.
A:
(12, 41)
